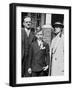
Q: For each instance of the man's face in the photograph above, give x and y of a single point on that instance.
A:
(39, 35)
(57, 30)
(27, 22)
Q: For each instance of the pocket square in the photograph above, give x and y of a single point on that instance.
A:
(42, 47)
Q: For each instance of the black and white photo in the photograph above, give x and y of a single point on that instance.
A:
(40, 35)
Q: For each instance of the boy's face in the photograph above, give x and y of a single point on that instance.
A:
(39, 35)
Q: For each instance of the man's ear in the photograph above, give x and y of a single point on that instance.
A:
(23, 23)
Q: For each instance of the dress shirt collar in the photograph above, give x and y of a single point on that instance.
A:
(27, 31)
(39, 42)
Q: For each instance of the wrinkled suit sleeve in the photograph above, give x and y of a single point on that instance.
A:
(47, 54)
(30, 56)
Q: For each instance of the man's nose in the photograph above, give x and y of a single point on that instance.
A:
(28, 23)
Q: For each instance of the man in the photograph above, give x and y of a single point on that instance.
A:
(27, 38)
(39, 56)
(57, 51)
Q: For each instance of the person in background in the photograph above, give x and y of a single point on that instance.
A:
(57, 50)
(27, 34)
(39, 56)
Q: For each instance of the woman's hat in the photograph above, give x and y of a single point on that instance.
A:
(58, 24)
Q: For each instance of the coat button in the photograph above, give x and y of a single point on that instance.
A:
(55, 58)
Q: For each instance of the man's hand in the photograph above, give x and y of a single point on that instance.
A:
(45, 68)
(29, 70)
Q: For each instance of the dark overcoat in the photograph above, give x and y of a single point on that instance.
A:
(26, 43)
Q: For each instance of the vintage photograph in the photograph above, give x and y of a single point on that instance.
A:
(42, 39)
(40, 44)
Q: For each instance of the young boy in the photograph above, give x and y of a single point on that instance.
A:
(39, 57)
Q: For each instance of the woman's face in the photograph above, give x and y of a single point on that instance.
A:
(57, 30)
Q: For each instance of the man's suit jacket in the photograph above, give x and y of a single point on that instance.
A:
(38, 58)
(26, 43)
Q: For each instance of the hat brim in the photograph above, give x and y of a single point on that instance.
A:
(58, 25)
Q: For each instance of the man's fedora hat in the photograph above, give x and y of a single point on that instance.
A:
(58, 24)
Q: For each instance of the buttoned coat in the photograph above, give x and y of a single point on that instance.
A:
(57, 56)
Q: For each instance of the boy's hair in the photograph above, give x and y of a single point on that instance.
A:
(38, 29)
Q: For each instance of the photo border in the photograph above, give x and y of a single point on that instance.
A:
(12, 64)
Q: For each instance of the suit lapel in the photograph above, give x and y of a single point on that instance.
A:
(37, 47)
(26, 38)
(24, 35)
(31, 36)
